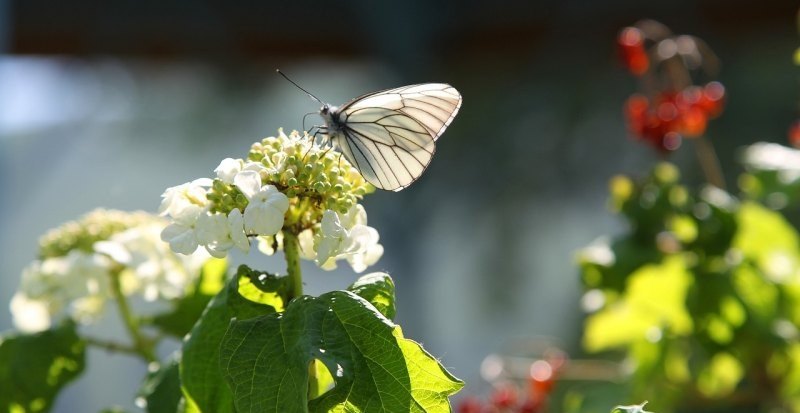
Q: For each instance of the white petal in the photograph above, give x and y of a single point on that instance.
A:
(236, 230)
(254, 166)
(187, 214)
(306, 240)
(206, 182)
(30, 316)
(181, 239)
(329, 265)
(328, 248)
(115, 250)
(211, 228)
(262, 219)
(356, 215)
(216, 253)
(362, 260)
(276, 199)
(361, 237)
(227, 169)
(249, 182)
(330, 225)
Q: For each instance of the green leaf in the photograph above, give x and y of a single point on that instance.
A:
(161, 389)
(378, 289)
(202, 382)
(655, 297)
(188, 309)
(721, 375)
(266, 361)
(766, 238)
(34, 368)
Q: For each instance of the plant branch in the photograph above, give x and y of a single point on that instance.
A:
(709, 162)
(142, 346)
(111, 346)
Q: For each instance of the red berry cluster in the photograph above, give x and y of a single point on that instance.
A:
(794, 134)
(671, 116)
(632, 52)
(510, 398)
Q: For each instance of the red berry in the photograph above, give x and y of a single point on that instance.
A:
(636, 114)
(632, 52)
(693, 122)
(713, 99)
(794, 134)
(504, 397)
(532, 405)
(667, 111)
(470, 405)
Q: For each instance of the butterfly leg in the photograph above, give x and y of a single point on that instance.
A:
(318, 130)
(313, 131)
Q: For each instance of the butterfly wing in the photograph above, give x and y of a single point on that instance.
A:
(390, 135)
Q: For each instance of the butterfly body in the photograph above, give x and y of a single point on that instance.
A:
(390, 135)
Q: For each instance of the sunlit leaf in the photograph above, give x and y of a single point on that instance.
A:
(266, 361)
(766, 238)
(378, 289)
(654, 301)
(202, 382)
(721, 376)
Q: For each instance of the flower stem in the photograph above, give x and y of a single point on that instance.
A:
(291, 249)
(142, 346)
(709, 162)
(111, 346)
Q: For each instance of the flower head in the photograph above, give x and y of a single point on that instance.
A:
(286, 183)
(79, 260)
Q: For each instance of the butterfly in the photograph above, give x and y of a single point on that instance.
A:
(390, 135)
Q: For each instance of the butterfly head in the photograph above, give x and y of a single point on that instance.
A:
(328, 114)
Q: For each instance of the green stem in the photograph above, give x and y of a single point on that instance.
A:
(111, 346)
(291, 249)
(143, 347)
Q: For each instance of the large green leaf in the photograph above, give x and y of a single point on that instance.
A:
(378, 289)
(33, 368)
(654, 298)
(161, 390)
(266, 361)
(188, 309)
(201, 378)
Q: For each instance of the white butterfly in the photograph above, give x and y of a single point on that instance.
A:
(390, 136)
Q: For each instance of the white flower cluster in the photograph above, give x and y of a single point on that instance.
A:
(342, 236)
(78, 284)
(286, 183)
(773, 157)
(195, 224)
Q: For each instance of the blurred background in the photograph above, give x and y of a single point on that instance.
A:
(107, 103)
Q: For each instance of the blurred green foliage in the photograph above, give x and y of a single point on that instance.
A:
(701, 295)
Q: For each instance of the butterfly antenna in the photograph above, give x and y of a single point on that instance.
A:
(304, 118)
(298, 86)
